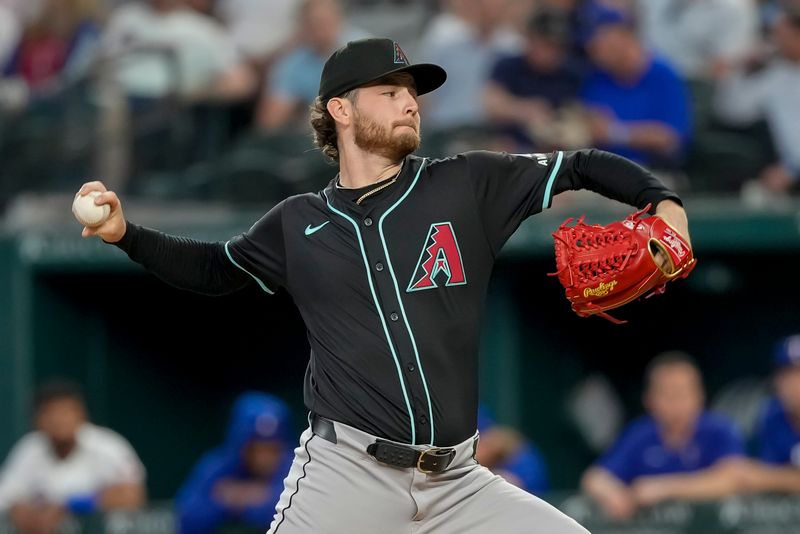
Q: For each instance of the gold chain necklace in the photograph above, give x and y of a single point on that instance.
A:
(380, 187)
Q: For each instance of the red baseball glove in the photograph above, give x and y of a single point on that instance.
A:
(604, 267)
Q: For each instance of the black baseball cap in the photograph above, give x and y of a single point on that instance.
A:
(551, 24)
(360, 62)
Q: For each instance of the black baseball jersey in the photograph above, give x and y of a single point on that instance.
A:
(392, 290)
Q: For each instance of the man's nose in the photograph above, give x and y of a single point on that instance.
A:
(411, 105)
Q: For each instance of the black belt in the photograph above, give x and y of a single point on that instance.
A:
(434, 460)
(323, 428)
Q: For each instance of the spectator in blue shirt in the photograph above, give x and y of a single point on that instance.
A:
(778, 468)
(240, 481)
(506, 453)
(779, 429)
(640, 105)
(293, 82)
(525, 90)
(676, 437)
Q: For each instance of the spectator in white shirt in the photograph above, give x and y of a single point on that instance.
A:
(770, 92)
(697, 34)
(67, 466)
(168, 46)
(259, 28)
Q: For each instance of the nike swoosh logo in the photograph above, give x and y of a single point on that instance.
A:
(309, 230)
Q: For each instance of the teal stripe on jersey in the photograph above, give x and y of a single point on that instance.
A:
(400, 299)
(551, 180)
(383, 319)
(257, 279)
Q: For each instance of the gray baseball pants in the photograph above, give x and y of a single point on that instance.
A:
(340, 489)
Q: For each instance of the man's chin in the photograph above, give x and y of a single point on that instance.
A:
(400, 147)
(407, 143)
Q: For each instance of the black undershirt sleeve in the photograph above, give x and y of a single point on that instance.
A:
(185, 263)
(612, 176)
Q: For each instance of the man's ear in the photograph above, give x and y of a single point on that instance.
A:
(341, 110)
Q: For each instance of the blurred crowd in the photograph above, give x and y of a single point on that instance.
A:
(163, 96)
(680, 449)
(68, 466)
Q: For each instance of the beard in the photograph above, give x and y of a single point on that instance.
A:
(378, 139)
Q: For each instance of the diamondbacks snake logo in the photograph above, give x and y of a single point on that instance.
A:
(440, 258)
(399, 56)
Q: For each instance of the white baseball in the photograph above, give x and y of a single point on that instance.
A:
(87, 212)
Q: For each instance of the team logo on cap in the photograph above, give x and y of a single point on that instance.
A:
(440, 259)
(399, 55)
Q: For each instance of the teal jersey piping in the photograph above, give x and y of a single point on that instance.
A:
(399, 297)
(257, 279)
(551, 180)
(380, 314)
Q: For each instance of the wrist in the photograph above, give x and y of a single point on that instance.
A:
(125, 240)
(668, 204)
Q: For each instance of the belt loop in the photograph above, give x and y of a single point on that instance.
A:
(324, 428)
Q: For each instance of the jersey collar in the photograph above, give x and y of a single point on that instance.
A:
(344, 199)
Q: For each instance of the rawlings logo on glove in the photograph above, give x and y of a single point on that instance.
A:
(605, 267)
(600, 291)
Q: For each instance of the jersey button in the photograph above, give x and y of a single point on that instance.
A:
(379, 266)
(368, 222)
(423, 419)
(410, 367)
(393, 316)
